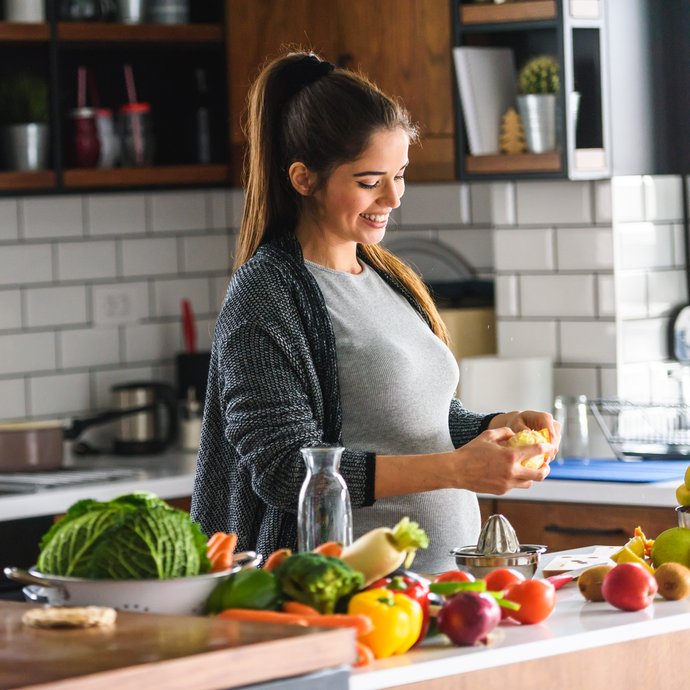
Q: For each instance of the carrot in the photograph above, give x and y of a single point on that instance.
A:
(215, 538)
(264, 616)
(362, 624)
(276, 558)
(330, 548)
(220, 554)
(300, 609)
(217, 545)
(364, 654)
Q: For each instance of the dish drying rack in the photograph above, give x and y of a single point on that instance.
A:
(638, 431)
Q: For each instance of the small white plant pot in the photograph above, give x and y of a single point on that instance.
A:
(538, 113)
(26, 11)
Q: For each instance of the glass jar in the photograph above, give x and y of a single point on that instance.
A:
(81, 10)
(324, 513)
(136, 135)
(571, 412)
(110, 142)
(84, 144)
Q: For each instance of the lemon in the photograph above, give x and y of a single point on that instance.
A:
(683, 495)
(625, 555)
(672, 546)
(528, 437)
(687, 477)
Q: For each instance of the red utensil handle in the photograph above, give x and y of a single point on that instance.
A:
(189, 327)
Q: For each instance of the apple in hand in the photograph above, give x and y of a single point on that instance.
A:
(629, 586)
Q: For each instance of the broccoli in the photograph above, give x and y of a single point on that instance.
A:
(317, 580)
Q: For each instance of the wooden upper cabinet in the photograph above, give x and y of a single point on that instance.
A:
(404, 46)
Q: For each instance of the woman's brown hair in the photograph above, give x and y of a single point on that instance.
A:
(323, 124)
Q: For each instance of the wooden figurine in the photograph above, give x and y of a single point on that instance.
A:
(512, 138)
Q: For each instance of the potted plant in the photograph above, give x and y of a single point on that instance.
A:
(24, 116)
(539, 82)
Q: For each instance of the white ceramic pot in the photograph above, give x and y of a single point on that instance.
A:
(184, 596)
(28, 11)
(538, 113)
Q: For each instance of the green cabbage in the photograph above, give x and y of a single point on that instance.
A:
(136, 536)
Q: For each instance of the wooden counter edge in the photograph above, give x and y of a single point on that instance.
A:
(226, 668)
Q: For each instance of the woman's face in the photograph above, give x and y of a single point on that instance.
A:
(355, 203)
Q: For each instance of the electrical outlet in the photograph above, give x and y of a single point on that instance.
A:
(117, 304)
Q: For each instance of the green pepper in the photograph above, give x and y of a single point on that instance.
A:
(246, 589)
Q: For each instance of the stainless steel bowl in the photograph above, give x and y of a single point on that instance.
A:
(525, 561)
(683, 513)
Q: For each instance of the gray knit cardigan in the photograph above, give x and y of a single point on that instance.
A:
(273, 389)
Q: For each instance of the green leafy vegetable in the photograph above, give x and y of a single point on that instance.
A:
(316, 580)
(135, 536)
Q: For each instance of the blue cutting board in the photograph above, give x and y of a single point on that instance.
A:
(616, 471)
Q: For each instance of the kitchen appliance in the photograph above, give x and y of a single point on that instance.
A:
(498, 547)
(185, 596)
(153, 429)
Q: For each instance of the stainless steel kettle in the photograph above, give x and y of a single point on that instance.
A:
(149, 431)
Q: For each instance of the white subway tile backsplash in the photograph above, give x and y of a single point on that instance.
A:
(154, 341)
(609, 382)
(12, 399)
(679, 244)
(645, 245)
(584, 249)
(553, 202)
(219, 288)
(9, 229)
(55, 306)
(89, 347)
(507, 296)
(663, 197)
(59, 394)
(432, 204)
(234, 202)
(527, 339)
(117, 214)
(107, 378)
(86, 260)
(170, 293)
(588, 342)
(607, 295)
(215, 204)
(175, 211)
(602, 201)
(475, 246)
(503, 208)
(575, 381)
(634, 382)
(644, 340)
(27, 352)
(205, 328)
(52, 216)
(523, 250)
(149, 257)
(667, 290)
(10, 309)
(557, 295)
(26, 264)
(119, 303)
(207, 253)
(627, 198)
(480, 203)
(631, 289)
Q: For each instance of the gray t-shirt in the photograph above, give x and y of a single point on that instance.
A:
(396, 383)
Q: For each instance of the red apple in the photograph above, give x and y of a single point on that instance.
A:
(629, 586)
(469, 617)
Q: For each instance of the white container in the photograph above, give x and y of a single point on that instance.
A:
(132, 11)
(110, 141)
(538, 113)
(26, 11)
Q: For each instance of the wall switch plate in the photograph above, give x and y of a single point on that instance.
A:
(117, 304)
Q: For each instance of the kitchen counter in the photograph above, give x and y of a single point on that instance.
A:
(171, 475)
(581, 645)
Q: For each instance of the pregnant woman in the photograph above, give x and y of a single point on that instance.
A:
(327, 339)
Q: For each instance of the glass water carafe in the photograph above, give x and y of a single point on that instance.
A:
(324, 512)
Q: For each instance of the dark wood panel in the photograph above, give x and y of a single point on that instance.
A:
(562, 526)
(487, 508)
(515, 163)
(433, 160)
(154, 33)
(182, 503)
(160, 175)
(42, 179)
(17, 31)
(508, 12)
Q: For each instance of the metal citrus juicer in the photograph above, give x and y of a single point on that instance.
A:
(498, 547)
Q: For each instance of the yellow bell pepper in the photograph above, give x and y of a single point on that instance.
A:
(397, 620)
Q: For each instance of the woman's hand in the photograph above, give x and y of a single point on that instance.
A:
(485, 465)
(530, 419)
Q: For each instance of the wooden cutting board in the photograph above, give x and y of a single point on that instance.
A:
(150, 651)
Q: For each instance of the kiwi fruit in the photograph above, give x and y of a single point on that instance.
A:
(590, 581)
(673, 580)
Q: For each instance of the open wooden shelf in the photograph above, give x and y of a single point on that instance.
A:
(533, 10)
(516, 163)
(15, 31)
(153, 33)
(158, 175)
(41, 179)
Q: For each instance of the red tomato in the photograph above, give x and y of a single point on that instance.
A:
(537, 599)
(454, 576)
(498, 580)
